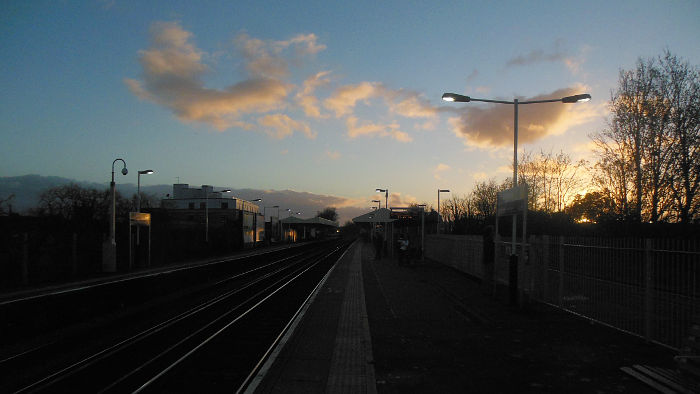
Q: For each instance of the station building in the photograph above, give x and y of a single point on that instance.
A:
(188, 207)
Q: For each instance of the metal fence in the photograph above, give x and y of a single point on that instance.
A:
(647, 287)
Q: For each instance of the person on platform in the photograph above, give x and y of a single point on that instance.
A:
(403, 249)
(378, 245)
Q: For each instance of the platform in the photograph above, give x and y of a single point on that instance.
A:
(428, 328)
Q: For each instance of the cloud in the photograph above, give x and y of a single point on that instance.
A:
(333, 155)
(375, 129)
(557, 55)
(480, 176)
(280, 126)
(492, 126)
(172, 72)
(305, 97)
(306, 44)
(439, 169)
(343, 100)
(408, 104)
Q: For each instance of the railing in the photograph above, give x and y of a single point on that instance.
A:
(646, 287)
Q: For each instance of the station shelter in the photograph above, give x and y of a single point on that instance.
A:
(295, 229)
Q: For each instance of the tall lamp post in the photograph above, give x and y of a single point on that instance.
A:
(378, 202)
(465, 99)
(386, 196)
(206, 210)
(440, 216)
(267, 241)
(422, 232)
(138, 200)
(112, 227)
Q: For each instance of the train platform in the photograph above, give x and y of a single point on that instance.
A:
(375, 326)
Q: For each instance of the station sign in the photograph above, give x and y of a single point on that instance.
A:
(512, 201)
(140, 219)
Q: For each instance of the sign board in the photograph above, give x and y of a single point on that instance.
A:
(513, 200)
(140, 219)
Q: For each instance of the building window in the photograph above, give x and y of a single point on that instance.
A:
(190, 205)
(202, 205)
(224, 205)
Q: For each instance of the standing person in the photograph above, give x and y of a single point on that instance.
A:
(403, 249)
(378, 245)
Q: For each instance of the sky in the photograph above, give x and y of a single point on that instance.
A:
(328, 98)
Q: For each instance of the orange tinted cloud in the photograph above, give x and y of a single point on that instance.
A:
(492, 125)
(281, 126)
(375, 129)
(172, 71)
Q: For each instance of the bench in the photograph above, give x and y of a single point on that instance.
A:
(686, 379)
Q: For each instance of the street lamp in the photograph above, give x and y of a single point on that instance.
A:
(112, 227)
(465, 99)
(138, 200)
(386, 196)
(439, 217)
(206, 210)
(378, 202)
(138, 188)
(422, 232)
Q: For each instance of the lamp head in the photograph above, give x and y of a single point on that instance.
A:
(576, 98)
(146, 172)
(226, 191)
(124, 171)
(456, 97)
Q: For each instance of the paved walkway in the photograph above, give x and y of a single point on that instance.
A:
(432, 329)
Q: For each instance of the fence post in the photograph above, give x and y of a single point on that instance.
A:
(25, 259)
(74, 255)
(648, 290)
(561, 272)
(544, 261)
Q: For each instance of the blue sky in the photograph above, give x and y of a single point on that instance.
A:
(326, 98)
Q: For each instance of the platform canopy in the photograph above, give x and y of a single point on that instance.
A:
(381, 215)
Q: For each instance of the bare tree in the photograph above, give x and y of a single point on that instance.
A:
(552, 179)
(6, 204)
(648, 155)
(682, 94)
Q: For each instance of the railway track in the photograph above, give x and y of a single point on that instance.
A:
(213, 344)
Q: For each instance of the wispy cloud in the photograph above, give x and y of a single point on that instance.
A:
(333, 155)
(306, 99)
(439, 169)
(343, 100)
(173, 68)
(172, 72)
(280, 126)
(557, 55)
(492, 126)
(375, 129)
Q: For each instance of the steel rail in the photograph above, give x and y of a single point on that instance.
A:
(134, 339)
(293, 276)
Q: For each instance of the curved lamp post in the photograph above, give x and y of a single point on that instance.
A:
(112, 226)
(440, 216)
(465, 99)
